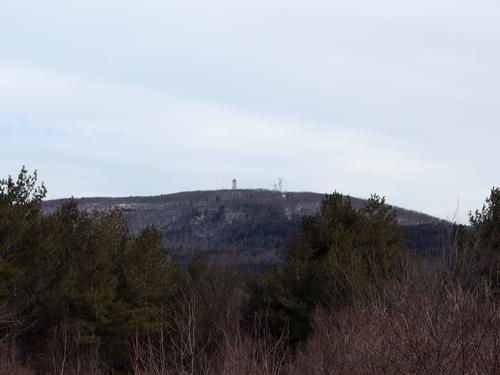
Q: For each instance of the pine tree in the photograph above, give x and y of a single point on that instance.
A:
(339, 257)
(486, 240)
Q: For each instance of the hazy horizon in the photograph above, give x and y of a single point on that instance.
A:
(120, 98)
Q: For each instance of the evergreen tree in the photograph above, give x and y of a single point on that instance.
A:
(150, 279)
(339, 257)
(486, 240)
(81, 270)
(20, 205)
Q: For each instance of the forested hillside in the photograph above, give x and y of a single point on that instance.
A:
(244, 226)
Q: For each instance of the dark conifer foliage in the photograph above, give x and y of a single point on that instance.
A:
(80, 270)
(340, 256)
(481, 242)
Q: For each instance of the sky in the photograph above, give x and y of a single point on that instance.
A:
(121, 97)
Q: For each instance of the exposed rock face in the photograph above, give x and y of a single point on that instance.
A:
(248, 226)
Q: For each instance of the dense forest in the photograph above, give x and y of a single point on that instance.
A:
(82, 294)
(250, 227)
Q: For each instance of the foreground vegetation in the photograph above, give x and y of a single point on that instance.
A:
(79, 294)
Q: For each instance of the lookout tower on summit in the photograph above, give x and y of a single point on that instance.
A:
(235, 184)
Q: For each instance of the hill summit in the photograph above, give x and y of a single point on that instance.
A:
(247, 226)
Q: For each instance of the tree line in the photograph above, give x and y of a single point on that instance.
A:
(80, 294)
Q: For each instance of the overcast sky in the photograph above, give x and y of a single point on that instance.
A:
(120, 97)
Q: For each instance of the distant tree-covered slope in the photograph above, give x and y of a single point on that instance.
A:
(247, 226)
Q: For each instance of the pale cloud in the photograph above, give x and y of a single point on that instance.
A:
(126, 97)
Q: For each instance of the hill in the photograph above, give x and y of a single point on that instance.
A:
(247, 226)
